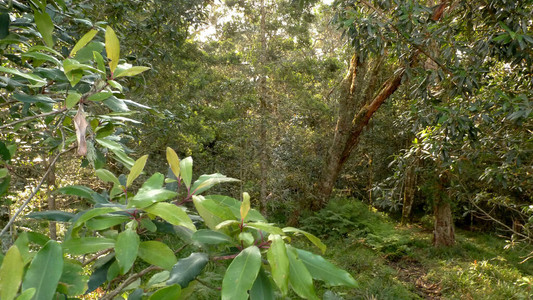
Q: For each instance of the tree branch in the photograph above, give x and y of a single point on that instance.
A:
(35, 190)
(34, 117)
(128, 281)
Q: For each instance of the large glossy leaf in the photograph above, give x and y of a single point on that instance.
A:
(241, 274)
(77, 190)
(157, 253)
(98, 277)
(173, 161)
(112, 47)
(211, 212)
(72, 100)
(205, 182)
(45, 26)
(186, 269)
(83, 41)
(245, 205)
(172, 214)
(86, 245)
(136, 170)
(107, 176)
(234, 205)
(11, 273)
(132, 71)
(321, 269)
(168, 293)
(106, 221)
(51, 215)
(36, 56)
(316, 241)
(126, 249)
(44, 271)
(145, 198)
(262, 288)
(186, 171)
(206, 236)
(279, 263)
(34, 79)
(299, 277)
(93, 213)
(27, 294)
(73, 281)
(268, 227)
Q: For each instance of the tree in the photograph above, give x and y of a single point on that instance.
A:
(437, 58)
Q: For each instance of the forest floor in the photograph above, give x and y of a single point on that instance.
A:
(399, 262)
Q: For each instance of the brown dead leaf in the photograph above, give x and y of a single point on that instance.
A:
(81, 127)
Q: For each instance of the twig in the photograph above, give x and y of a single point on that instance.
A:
(35, 190)
(33, 117)
(128, 281)
(96, 256)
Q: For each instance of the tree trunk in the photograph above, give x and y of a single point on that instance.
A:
(263, 110)
(357, 105)
(444, 234)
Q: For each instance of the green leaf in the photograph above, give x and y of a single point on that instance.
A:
(206, 236)
(212, 213)
(241, 273)
(262, 288)
(72, 100)
(4, 25)
(299, 277)
(157, 253)
(246, 238)
(91, 213)
(33, 98)
(172, 214)
(173, 161)
(44, 271)
(132, 71)
(44, 48)
(186, 269)
(279, 262)
(109, 144)
(73, 281)
(86, 245)
(77, 190)
(321, 269)
(3, 172)
(105, 221)
(126, 249)
(46, 27)
(107, 176)
(85, 39)
(205, 182)
(34, 79)
(51, 215)
(158, 278)
(136, 170)
(112, 47)
(145, 198)
(99, 96)
(245, 205)
(234, 206)
(168, 293)
(316, 241)
(227, 223)
(186, 171)
(27, 294)
(41, 56)
(11, 273)
(268, 227)
(99, 62)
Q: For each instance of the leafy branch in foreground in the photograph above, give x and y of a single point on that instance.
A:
(123, 231)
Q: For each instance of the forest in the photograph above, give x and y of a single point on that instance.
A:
(266, 149)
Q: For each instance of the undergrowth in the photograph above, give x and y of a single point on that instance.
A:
(367, 244)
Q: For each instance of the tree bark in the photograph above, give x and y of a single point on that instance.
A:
(444, 234)
(357, 105)
(359, 85)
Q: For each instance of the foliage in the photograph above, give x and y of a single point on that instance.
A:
(122, 230)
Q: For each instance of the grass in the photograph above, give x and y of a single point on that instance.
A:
(391, 262)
